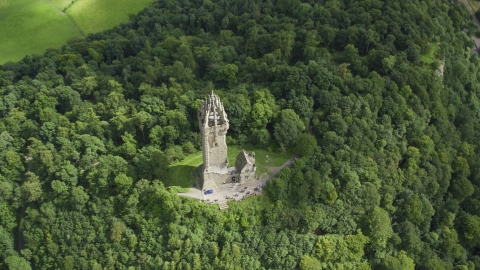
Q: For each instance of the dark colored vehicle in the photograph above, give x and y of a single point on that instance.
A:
(210, 191)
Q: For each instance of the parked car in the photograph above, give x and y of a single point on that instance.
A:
(210, 191)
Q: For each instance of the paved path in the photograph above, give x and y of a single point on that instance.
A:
(229, 190)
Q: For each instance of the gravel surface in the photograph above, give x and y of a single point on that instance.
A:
(237, 192)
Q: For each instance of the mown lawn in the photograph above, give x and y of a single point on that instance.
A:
(180, 173)
(98, 15)
(30, 27)
(274, 158)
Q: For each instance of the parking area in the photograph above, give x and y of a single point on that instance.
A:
(237, 192)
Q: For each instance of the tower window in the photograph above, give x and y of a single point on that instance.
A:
(216, 144)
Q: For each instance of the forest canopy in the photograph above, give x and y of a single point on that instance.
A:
(378, 97)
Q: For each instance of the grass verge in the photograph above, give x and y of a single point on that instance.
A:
(177, 189)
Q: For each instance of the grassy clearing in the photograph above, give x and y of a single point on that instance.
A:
(31, 27)
(95, 15)
(431, 55)
(180, 173)
(274, 159)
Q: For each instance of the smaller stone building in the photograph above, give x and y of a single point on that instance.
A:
(245, 166)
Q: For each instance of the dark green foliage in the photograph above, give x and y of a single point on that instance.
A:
(387, 175)
(305, 144)
(288, 127)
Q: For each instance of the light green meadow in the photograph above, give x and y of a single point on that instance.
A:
(62, 4)
(30, 27)
(95, 15)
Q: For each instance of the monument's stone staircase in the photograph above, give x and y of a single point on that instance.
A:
(223, 205)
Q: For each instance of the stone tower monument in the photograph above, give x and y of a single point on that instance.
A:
(213, 123)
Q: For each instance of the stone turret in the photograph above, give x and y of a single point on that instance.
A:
(213, 123)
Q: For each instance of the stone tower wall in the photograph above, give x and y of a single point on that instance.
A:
(213, 124)
(214, 146)
(217, 149)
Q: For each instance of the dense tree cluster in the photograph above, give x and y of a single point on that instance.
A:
(390, 166)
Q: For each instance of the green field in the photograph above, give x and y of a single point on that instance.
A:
(30, 27)
(62, 4)
(180, 173)
(9, 7)
(95, 15)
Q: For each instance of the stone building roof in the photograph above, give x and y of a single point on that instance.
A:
(243, 159)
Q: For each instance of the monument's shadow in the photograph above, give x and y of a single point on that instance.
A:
(184, 176)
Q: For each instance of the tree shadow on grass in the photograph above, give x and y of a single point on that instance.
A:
(184, 176)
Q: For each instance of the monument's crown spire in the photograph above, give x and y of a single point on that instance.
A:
(211, 112)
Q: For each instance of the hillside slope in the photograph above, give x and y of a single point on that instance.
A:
(389, 173)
